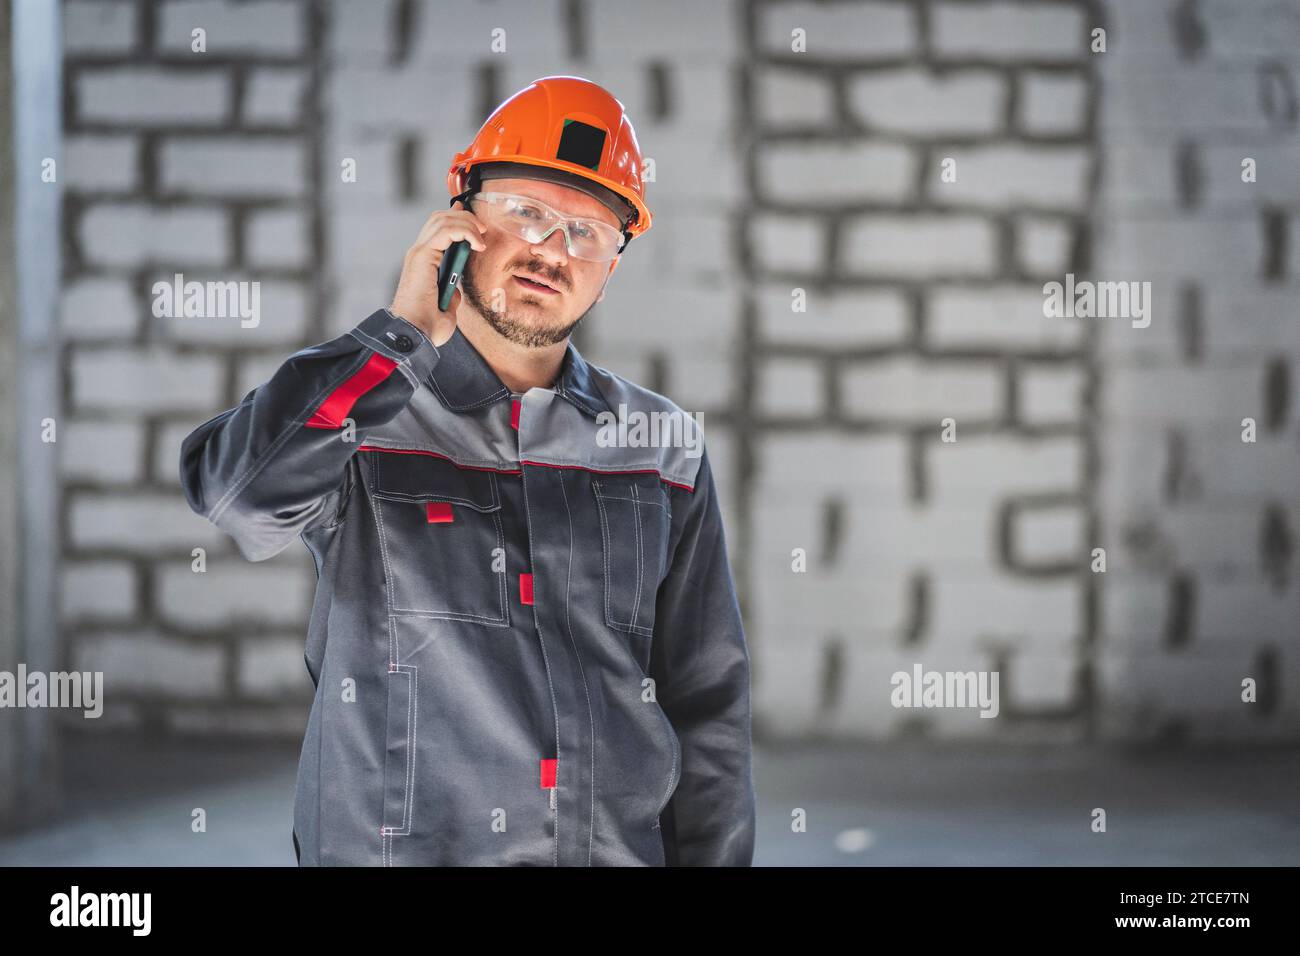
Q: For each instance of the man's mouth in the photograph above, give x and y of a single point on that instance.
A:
(536, 285)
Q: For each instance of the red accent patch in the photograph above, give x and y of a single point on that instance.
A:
(438, 512)
(526, 588)
(339, 403)
(548, 773)
(514, 414)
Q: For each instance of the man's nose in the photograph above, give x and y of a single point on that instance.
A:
(554, 248)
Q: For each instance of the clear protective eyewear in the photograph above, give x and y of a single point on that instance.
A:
(533, 220)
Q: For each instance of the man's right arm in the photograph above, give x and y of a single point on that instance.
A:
(275, 465)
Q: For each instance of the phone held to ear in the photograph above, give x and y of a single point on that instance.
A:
(449, 272)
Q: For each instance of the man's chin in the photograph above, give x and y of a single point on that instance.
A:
(529, 331)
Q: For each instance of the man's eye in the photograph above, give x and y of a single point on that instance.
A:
(528, 212)
(584, 231)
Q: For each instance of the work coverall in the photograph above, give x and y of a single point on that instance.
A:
(525, 639)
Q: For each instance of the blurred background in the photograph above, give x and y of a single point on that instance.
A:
(813, 285)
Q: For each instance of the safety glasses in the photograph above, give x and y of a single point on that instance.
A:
(533, 220)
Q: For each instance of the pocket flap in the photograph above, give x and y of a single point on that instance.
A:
(422, 477)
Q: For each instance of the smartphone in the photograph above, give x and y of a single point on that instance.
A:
(450, 271)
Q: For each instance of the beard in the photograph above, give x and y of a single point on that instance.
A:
(513, 328)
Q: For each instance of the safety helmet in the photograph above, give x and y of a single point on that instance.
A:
(561, 129)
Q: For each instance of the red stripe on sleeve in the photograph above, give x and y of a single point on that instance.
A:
(339, 403)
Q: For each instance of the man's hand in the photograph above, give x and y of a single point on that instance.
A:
(416, 299)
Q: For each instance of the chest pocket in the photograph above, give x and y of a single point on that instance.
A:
(442, 539)
(634, 524)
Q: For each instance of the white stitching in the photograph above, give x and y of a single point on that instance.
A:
(550, 684)
(259, 465)
(513, 467)
(654, 504)
(629, 627)
(672, 738)
(568, 625)
(640, 557)
(494, 500)
(502, 595)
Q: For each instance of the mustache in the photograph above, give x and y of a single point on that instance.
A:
(558, 280)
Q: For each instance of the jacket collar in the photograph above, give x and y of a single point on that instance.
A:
(463, 380)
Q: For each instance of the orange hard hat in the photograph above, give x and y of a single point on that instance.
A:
(566, 127)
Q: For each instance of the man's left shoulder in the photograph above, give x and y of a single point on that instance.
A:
(648, 423)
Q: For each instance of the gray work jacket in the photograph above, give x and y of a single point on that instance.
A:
(525, 639)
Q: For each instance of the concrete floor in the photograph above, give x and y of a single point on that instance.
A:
(129, 803)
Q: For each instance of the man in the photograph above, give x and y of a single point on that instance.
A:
(525, 641)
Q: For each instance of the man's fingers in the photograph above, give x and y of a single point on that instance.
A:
(437, 244)
(458, 213)
(427, 229)
(457, 232)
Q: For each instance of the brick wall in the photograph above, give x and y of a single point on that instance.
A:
(924, 303)
(1201, 526)
(779, 174)
(208, 164)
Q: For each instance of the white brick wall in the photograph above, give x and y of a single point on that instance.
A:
(920, 246)
(1186, 505)
(120, 235)
(839, 29)
(918, 102)
(782, 243)
(109, 163)
(99, 589)
(835, 173)
(1040, 177)
(1001, 316)
(908, 390)
(201, 163)
(98, 308)
(144, 524)
(913, 308)
(108, 452)
(261, 168)
(234, 592)
(272, 667)
(794, 97)
(275, 97)
(776, 170)
(248, 28)
(151, 96)
(847, 319)
(1038, 31)
(139, 663)
(1052, 104)
(1044, 245)
(98, 26)
(121, 379)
